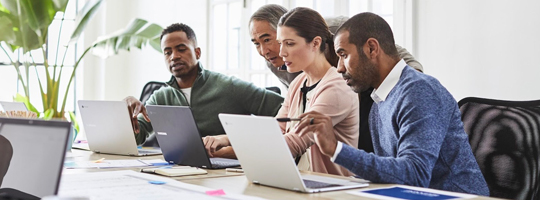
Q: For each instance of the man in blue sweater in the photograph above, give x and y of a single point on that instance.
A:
(415, 123)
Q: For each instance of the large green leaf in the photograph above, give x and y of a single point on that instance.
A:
(84, 16)
(31, 19)
(6, 30)
(138, 33)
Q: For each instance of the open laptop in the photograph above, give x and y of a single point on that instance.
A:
(12, 106)
(179, 138)
(108, 129)
(31, 157)
(266, 158)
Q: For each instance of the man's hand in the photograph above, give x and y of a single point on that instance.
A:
(135, 107)
(321, 126)
(215, 143)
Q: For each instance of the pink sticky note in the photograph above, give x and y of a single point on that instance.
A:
(215, 192)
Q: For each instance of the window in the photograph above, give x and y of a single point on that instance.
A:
(8, 74)
(231, 51)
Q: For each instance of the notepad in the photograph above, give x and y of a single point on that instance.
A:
(176, 171)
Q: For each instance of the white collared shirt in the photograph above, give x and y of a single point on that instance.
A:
(379, 94)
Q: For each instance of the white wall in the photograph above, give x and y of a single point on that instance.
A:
(483, 48)
(125, 74)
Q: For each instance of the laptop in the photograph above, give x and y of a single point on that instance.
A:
(179, 138)
(12, 106)
(31, 157)
(266, 159)
(108, 129)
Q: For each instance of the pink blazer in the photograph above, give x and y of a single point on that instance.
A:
(334, 98)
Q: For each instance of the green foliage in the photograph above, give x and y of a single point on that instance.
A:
(24, 25)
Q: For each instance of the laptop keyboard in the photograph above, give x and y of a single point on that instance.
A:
(148, 151)
(316, 184)
(218, 164)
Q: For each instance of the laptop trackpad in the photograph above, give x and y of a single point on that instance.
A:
(332, 182)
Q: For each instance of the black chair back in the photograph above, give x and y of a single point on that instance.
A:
(504, 137)
(149, 89)
(274, 89)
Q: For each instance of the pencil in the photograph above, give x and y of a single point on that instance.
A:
(286, 119)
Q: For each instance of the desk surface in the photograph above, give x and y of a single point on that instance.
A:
(220, 179)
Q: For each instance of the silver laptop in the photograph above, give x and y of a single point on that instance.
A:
(31, 157)
(12, 106)
(179, 138)
(267, 160)
(108, 129)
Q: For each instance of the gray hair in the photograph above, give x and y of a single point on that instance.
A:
(270, 13)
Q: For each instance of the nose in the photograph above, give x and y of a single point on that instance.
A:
(263, 50)
(341, 66)
(282, 52)
(175, 55)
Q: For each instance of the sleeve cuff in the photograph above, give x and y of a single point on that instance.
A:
(339, 146)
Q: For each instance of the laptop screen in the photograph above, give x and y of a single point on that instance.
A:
(31, 155)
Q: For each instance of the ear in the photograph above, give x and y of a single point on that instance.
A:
(198, 53)
(373, 49)
(317, 42)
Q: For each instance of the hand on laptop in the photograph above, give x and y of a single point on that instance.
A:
(135, 108)
(321, 126)
(214, 143)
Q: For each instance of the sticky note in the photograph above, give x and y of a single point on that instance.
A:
(215, 192)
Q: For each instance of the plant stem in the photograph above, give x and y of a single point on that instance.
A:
(43, 97)
(16, 65)
(71, 78)
(58, 46)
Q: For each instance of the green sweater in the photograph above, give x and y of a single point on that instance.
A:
(213, 93)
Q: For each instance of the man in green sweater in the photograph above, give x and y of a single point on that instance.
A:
(207, 93)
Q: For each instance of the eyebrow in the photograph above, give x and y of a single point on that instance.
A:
(180, 45)
(339, 50)
(262, 36)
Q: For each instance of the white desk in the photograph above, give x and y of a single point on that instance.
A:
(229, 181)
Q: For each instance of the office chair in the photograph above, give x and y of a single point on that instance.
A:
(149, 89)
(274, 89)
(505, 140)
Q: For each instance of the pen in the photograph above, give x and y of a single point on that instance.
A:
(234, 170)
(286, 119)
(99, 161)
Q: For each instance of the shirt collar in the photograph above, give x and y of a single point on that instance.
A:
(379, 95)
(172, 82)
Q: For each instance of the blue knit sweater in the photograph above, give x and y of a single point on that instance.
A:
(419, 140)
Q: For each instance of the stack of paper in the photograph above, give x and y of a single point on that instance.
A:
(128, 184)
(102, 164)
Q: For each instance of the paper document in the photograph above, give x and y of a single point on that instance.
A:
(102, 164)
(128, 184)
(408, 192)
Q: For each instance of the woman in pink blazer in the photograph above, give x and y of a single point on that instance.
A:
(306, 44)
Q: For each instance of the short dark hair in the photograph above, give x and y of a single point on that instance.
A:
(180, 27)
(309, 24)
(367, 25)
(270, 13)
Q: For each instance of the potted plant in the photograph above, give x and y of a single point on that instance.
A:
(24, 27)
